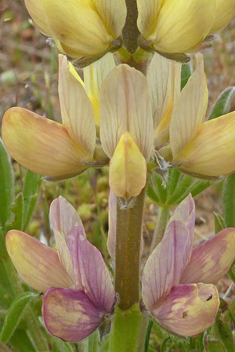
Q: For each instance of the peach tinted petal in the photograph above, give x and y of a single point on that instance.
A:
(41, 145)
(211, 260)
(69, 314)
(188, 310)
(37, 264)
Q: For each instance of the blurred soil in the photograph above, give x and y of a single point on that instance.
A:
(28, 78)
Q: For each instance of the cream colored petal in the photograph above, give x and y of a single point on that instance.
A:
(41, 145)
(188, 110)
(125, 106)
(164, 80)
(78, 26)
(76, 109)
(94, 75)
(181, 24)
(148, 12)
(37, 12)
(127, 170)
(225, 10)
(113, 14)
(212, 151)
(37, 264)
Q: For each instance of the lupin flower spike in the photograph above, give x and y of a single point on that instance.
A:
(178, 280)
(79, 291)
(81, 29)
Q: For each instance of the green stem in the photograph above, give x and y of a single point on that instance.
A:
(34, 327)
(128, 240)
(163, 217)
(130, 31)
(127, 327)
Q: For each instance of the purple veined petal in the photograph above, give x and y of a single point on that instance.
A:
(69, 314)
(166, 264)
(188, 310)
(63, 218)
(211, 260)
(185, 212)
(90, 271)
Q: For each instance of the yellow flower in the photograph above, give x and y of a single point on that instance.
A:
(80, 28)
(61, 150)
(180, 26)
(205, 149)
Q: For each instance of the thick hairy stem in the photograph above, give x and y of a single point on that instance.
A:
(130, 31)
(128, 240)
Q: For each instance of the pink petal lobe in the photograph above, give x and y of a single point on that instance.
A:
(211, 260)
(185, 212)
(37, 264)
(166, 264)
(69, 314)
(188, 310)
(63, 218)
(90, 271)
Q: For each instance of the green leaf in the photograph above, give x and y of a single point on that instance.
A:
(182, 190)
(185, 74)
(30, 194)
(223, 332)
(17, 209)
(223, 104)
(6, 184)
(229, 201)
(61, 346)
(4, 282)
(159, 187)
(21, 342)
(152, 194)
(173, 180)
(219, 222)
(14, 315)
(215, 346)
